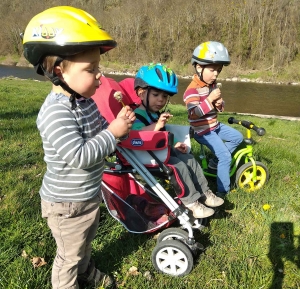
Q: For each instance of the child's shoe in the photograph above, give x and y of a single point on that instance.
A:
(199, 210)
(211, 200)
(213, 164)
(221, 195)
(95, 277)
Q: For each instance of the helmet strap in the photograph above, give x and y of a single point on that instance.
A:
(54, 78)
(147, 107)
(200, 75)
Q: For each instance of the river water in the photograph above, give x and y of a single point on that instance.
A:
(241, 97)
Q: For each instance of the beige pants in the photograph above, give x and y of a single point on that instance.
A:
(73, 226)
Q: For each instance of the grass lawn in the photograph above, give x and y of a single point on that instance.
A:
(246, 246)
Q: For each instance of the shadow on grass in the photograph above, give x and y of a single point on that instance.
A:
(128, 247)
(282, 247)
(223, 212)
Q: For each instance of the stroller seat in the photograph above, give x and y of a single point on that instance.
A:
(127, 202)
(130, 188)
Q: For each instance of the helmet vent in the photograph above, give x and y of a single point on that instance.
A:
(168, 76)
(158, 72)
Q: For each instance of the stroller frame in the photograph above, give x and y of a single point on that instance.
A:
(176, 247)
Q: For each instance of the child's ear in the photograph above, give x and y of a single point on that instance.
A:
(58, 71)
(199, 67)
(140, 92)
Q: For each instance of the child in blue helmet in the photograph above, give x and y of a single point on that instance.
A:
(154, 84)
(203, 101)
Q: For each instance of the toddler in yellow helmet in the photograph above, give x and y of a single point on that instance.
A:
(64, 44)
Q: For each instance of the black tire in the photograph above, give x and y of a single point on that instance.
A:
(172, 257)
(172, 234)
(244, 175)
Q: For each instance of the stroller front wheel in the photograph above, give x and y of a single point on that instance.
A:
(172, 257)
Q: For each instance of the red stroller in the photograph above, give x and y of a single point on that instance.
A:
(132, 185)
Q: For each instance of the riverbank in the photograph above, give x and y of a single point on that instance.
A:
(260, 115)
(292, 118)
(233, 79)
(254, 76)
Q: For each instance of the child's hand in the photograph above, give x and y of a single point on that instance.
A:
(122, 124)
(214, 95)
(218, 102)
(127, 112)
(163, 119)
(182, 147)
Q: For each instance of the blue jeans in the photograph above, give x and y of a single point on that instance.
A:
(222, 141)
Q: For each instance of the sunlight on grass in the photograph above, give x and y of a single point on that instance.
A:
(251, 242)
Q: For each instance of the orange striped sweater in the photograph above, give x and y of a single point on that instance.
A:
(202, 115)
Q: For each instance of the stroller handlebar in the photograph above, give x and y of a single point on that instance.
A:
(248, 124)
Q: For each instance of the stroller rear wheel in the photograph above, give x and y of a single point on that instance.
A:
(172, 257)
(172, 234)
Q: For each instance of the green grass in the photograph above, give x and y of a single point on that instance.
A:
(246, 247)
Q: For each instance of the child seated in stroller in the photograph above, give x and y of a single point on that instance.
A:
(154, 84)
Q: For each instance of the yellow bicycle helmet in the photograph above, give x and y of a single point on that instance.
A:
(63, 31)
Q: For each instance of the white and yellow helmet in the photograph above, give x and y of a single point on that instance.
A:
(211, 52)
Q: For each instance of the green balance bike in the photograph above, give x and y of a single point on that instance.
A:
(250, 175)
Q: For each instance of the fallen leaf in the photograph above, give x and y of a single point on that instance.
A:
(38, 262)
(133, 271)
(148, 275)
(24, 254)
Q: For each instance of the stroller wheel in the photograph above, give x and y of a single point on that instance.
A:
(172, 234)
(172, 257)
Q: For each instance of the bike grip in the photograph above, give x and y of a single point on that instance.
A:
(232, 120)
(260, 131)
(244, 123)
(247, 124)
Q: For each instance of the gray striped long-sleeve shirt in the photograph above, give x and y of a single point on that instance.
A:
(75, 144)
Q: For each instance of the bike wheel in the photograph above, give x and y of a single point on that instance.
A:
(244, 176)
(172, 257)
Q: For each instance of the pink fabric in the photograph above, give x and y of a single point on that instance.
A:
(127, 85)
(108, 106)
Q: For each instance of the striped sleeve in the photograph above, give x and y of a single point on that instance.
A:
(196, 101)
(79, 148)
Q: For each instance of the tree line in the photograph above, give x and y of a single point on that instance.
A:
(259, 34)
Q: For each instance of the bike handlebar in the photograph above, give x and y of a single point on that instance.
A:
(247, 124)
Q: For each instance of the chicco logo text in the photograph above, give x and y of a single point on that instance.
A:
(136, 142)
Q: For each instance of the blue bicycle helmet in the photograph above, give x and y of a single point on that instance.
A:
(157, 76)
